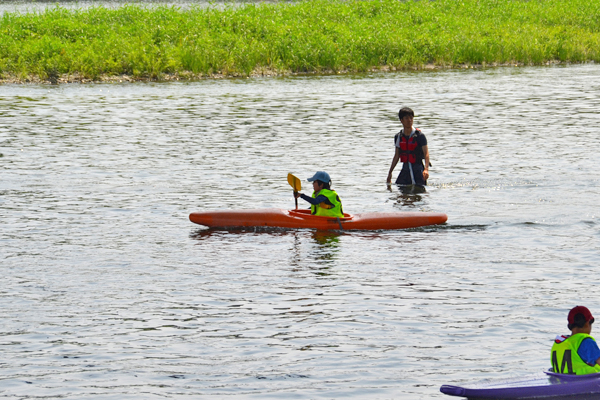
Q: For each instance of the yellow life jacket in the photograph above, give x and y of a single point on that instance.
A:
(564, 357)
(326, 210)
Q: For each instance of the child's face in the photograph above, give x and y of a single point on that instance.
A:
(317, 186)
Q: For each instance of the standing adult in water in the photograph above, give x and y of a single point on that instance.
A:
(411, 149)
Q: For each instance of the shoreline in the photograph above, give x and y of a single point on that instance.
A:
(315, 37)
(188, 76)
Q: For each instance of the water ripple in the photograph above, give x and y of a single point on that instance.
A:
(108, 291)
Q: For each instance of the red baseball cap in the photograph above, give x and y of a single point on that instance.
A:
(580, 310)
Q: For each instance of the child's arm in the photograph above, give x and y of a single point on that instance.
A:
(317, 200)
(589, 352)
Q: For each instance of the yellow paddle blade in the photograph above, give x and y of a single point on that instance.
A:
(294, 182)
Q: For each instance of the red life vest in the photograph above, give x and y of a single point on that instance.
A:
(408, 147)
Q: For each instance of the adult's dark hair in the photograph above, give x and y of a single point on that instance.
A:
(404, 111)
(579, 321)
(326, 185)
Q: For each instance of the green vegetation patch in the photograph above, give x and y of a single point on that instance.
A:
(303, 37)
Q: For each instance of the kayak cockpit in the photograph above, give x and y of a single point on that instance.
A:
(305, 214)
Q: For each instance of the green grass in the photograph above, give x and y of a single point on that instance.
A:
(307, 36)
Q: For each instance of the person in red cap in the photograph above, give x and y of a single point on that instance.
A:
(578, 353)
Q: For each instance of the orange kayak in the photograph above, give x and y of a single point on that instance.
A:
(279, 218)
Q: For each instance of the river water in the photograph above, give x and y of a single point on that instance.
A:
(29, 6)
(109, 292)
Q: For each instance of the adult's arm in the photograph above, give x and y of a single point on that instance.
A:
(394, 163)
(426, 155)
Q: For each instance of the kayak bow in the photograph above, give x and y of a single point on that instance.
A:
(294, 219)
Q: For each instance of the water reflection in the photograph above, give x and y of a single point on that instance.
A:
(327, 239)
(206, 233)
(322, 238)
(322, 248)
(328, 246)
(409, 195)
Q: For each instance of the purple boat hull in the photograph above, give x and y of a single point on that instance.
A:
(547, 385)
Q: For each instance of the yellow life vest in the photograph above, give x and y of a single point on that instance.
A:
(325, 210)
(564, 357)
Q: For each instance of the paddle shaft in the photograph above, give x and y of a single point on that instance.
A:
(295, 184)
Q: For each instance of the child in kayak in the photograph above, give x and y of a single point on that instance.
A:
(324, 201)
(577, 354)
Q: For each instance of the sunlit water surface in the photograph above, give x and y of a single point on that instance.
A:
(109, 292)
(36, 6)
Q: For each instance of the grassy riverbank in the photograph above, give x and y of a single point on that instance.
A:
(309, 36)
